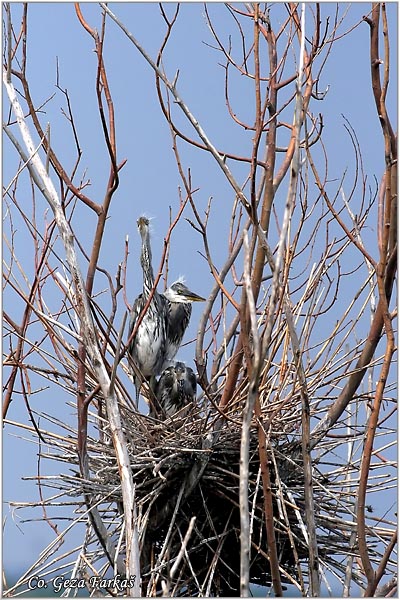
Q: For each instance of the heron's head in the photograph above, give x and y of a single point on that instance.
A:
(143, 224)
(178, 292)
(181, 370)
(184, 377)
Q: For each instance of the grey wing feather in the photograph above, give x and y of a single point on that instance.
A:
(192, 383)
(148, 347)
(179, 317)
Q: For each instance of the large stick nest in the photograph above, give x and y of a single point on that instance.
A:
(189, 466)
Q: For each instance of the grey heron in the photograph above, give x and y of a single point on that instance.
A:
(147, 348)
(180, 300)
(175, 389)
(164, 323)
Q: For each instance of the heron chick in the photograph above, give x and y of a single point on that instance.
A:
(164, 323)
(176, 389)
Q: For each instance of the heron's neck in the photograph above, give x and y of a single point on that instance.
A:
(147, 267)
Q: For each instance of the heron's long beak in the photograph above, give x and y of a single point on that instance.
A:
(194, 297)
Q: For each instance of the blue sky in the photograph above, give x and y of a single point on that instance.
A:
(149, 181)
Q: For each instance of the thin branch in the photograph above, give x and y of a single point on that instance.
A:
(245, 437)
